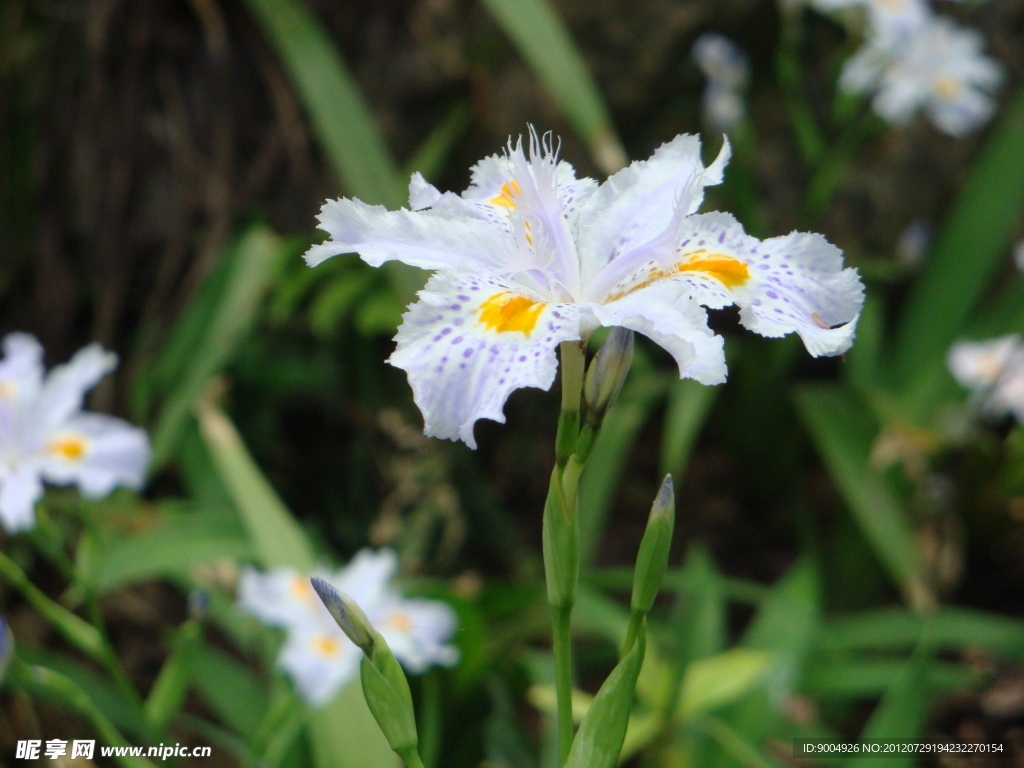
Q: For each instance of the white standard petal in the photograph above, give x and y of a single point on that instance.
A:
(280, 598)
(366, 578)
(472, 339)
(97, 453)
(21, 368)
(63, 393)
(417, 631)
(637, 210)
(429, 239)
(320, 662)
(20, 489)
(663, 311)
(978, 365)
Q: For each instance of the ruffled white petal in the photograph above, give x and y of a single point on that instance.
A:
(461, 370)
(63, 393)
(637, 211)
(980, 364)
(417, 632)
(281, 598)
(112, 453)
(664, 312)
(367, 576)
(21, 368)
(320, 663)
(429, 239)
(20, 489)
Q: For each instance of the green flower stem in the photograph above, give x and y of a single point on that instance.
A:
(54, 685)
(636, 620)
(412, 758)
(75, 630)
(833, 165)
(561, 536)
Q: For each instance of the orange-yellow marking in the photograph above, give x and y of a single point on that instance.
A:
(509, 191)
(68, 448)
(508, 312)
(326, 646)
(8, 389)
(400, 622)
(947, 87)
(728, 271)
(301, 589)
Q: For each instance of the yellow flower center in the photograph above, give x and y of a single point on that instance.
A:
(947, 87)
(509, 312)
(507, 195)
(324, 645)
(71, 448)
(400, 622)
(8, 389)
(301, 589)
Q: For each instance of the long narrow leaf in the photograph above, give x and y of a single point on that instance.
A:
(340, 116)
(545, 43)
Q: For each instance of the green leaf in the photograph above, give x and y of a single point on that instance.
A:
(718, 680)
(340, 116)
(900, 715)
(843, 431)
(598, 741)
(947, 629)
(229, 688)
(276, 536)
(255, 259)
(861, 678)
(171, 687)
(171, 548)
(345, 735)
(968, 251)
(546, 45)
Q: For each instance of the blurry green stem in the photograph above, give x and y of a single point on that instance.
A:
(57, 686)
(833, 165)
(562, 642)
(787, 70)
(75, 630)
(412, 758)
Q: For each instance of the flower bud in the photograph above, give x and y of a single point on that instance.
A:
(387, 694)
(347, 614)
(607, 372)
(652, 559)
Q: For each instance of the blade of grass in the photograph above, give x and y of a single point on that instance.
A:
(256, 259)
(545, 43)
(967, 253)
(276, 536)
(689, 404)
(843, 431)
(340, 116)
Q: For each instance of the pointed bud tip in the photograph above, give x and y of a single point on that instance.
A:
(348, 615)
(325, 591)
(665, 501)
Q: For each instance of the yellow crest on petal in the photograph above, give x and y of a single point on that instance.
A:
(509, 312)
(71, 448)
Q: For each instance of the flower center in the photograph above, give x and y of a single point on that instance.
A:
(301, 589)
(324, 645)
(947, 87)
(70, 448)
(728, 271)
(400, 622)
(507, 195)
(508, 312)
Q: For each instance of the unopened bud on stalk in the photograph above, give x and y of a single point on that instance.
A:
(385, 686)
(607, 372)
(347, 614)
(652, 560)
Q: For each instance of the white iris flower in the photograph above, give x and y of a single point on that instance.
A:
(726, 67)
(316, 654)
(941, 69)
(993, 371)
(889, 20)
(530, 256)
(44, 435)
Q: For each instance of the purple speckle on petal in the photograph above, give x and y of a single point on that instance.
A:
(467, 353)
(522, 358)
(457, 340)
(461, 297)
(772, 295)
(445, 331)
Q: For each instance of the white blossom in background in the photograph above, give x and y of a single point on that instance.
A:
(940, 69)
(993, 371)
(889, 21)
(45, 435)
(913, 243)
(530, 256)
(726, 68)
(1018, 255)
(316, 654)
